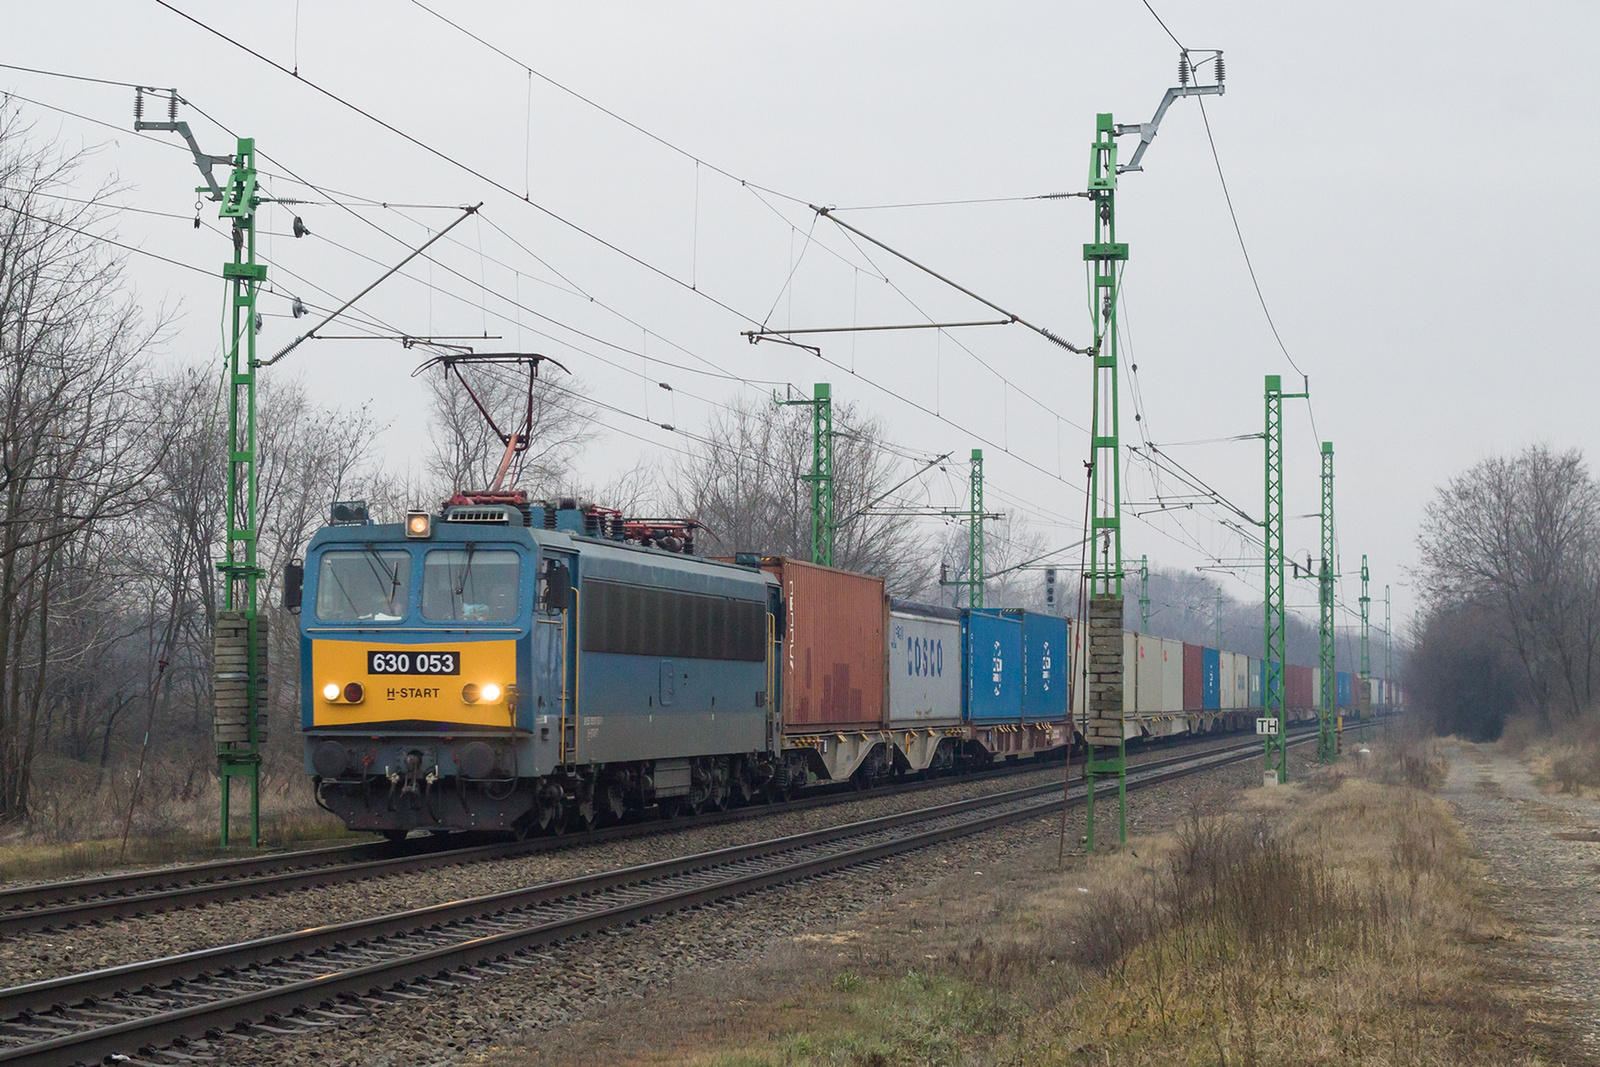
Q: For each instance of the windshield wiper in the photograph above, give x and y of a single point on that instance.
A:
(393, 576)
(461, 586)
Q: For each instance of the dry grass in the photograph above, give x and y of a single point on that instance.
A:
(1563, 759)
(78, 815)
(1333, 922)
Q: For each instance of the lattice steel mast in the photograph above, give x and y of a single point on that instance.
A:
(821, 476)
(1363, 705)
(1144, 594)
(238, 736)
(1275, 624)
(1328, 722)
(1104, 578)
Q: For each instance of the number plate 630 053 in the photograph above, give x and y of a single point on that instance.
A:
(413, 662)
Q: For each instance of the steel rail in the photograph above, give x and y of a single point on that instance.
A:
(61, 905)
(27, 1002)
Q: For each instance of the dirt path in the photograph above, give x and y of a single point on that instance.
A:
(1543, 855)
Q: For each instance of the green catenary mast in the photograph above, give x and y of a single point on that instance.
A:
(1275, 625)
(1327, 700)
(1388, 649)
(239, 750)
(1363, 703)
(821, 476)
(975, 534)
(1144, 594)
(1104, 579)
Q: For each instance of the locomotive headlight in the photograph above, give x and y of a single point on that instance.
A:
(470, 693)
(330, 692)
(354, 693)
(418, 524)
(491, 692)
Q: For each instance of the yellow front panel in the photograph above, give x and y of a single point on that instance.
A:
(433, 697)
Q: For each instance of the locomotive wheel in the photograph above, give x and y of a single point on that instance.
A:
(559, 818)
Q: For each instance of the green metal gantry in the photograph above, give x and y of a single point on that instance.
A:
(1272, 694)
(821, 476)
(1144, 594)
(1328, 723)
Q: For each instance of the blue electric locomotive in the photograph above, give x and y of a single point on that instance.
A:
(507, 667)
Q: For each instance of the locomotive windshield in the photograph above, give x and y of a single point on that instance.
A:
(470, 585)
(366, 585)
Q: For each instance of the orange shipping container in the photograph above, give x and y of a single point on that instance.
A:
(834, 665)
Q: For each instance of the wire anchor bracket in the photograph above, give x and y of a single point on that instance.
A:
(1147, 130)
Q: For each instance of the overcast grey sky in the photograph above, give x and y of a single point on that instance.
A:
(1414, 182)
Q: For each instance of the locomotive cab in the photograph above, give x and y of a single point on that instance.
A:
(417, 672)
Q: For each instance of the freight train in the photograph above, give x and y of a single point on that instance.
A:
(525, 667)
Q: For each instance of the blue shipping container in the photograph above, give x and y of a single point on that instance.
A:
(1344, 689)
(1044, 665)
(991, 685)
(1210, 679)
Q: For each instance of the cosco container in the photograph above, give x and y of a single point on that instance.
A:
(1171, 676)
(1210, 666)
(1046, 657)
(833, 659)
(992, 680)
(1194, 686)
(924, 664)
(1344, 689)
(1149, 673)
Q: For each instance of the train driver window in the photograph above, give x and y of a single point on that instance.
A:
(470, 585)
(363, 585)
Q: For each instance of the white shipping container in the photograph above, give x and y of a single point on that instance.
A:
(1316, 688)
(1171, 676)
(1241, 680)
(1225, 698)
(924, 669)
(1255, 683)
(1130, 673)
(1150, 675)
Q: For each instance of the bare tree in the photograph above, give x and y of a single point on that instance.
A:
(1518, 540)
(745, 482)
(78, 440)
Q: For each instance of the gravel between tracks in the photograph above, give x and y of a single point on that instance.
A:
(36, 956)
(614, 968)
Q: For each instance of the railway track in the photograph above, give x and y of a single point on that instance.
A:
(68, 904)
(192, 1003)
